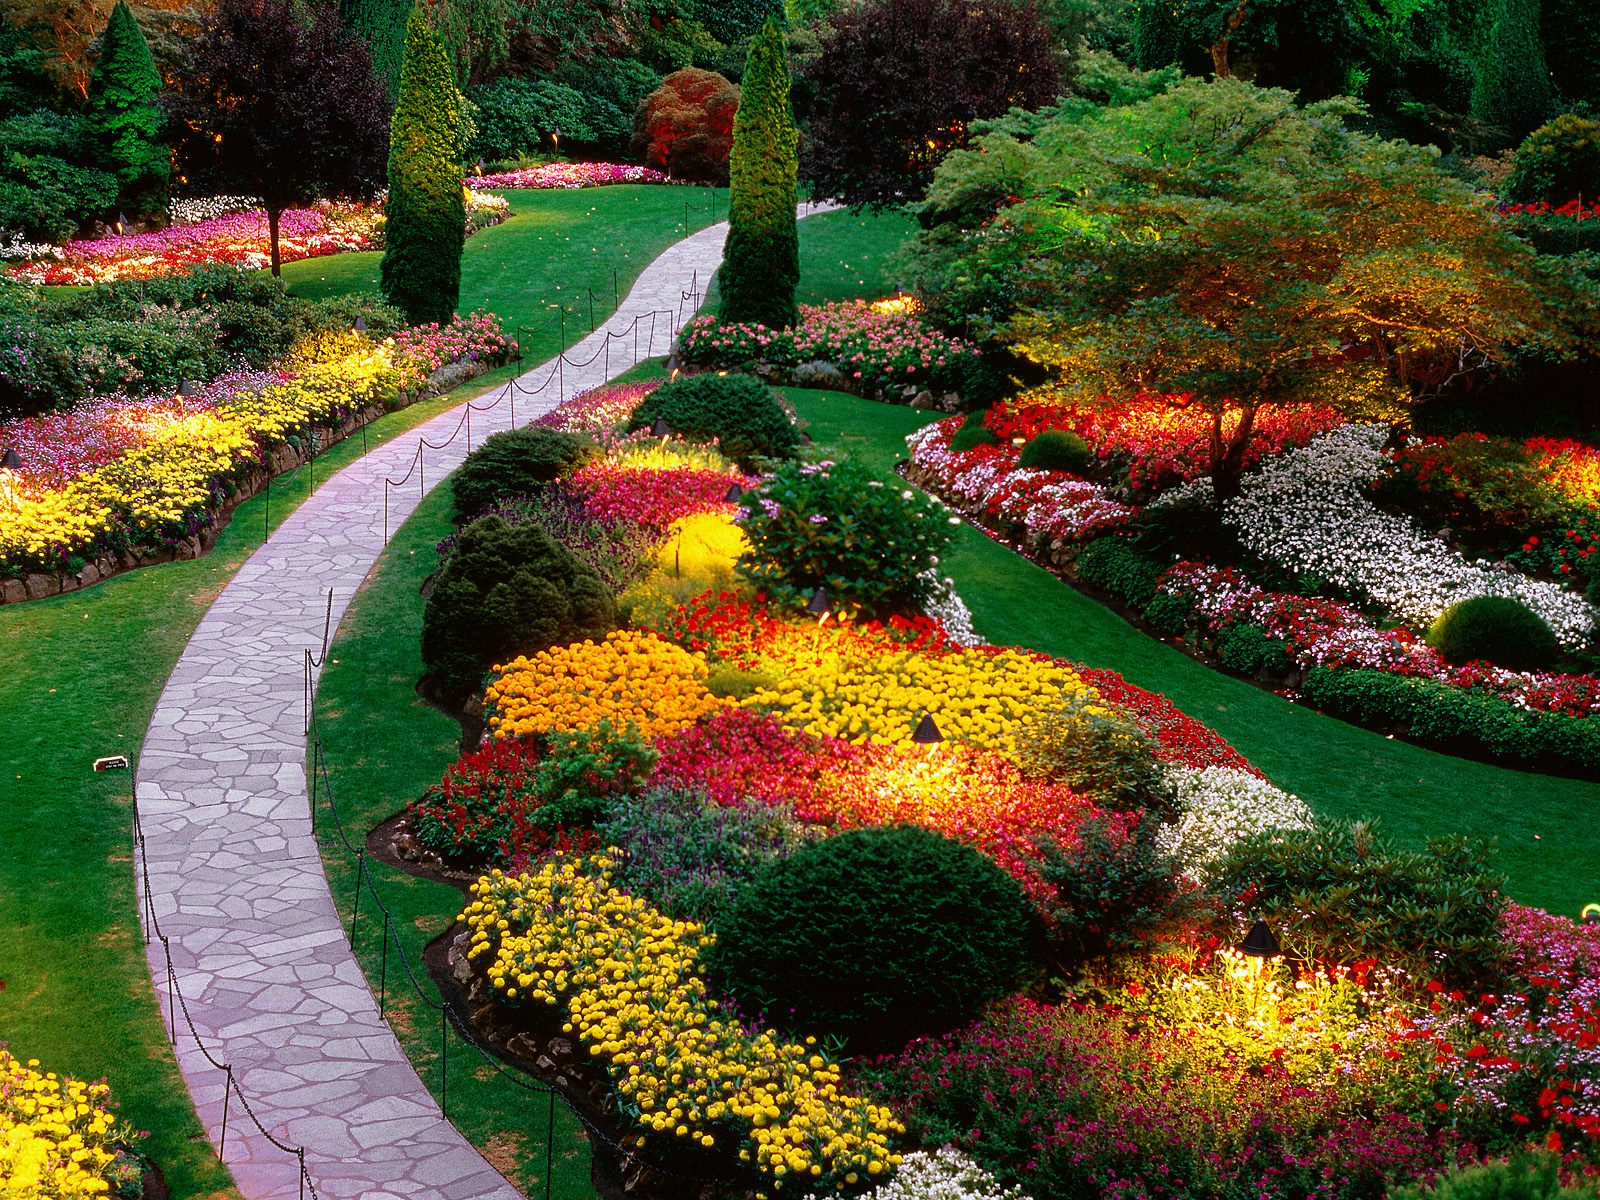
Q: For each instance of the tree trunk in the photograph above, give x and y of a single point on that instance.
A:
(1220, 47)
(1227, 454)
(274, 215)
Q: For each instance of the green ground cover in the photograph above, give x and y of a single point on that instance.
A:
(87, 670)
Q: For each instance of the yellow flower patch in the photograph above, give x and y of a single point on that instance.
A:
(630, 677)
(630, 982)
(56, 1137)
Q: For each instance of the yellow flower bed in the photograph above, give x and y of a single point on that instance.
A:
(56, 1137)
(629, 677)
(630, 980)
(980, 697)
(161, 483)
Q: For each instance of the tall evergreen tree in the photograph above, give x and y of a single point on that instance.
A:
(761, 263)
(123, 117)
(426, 214)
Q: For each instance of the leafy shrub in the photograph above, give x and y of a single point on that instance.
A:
(1096, 752)
(622, 552)
(739, 411)
(736, 683)
(518, 462)
(1343, 892)
(1497, 629)
(1557, 162)
(1116, 566)
(46, 191)
(517, 116)
(691, 857)
(1456, 717)
(836, 525)
(972, 434)
(685, 126)
(1058, 450)
(612, 90)
(1524, 1177)
(1250, 650)
(1170, 613)
(506, 590)
(876, 936)
(1112, 889)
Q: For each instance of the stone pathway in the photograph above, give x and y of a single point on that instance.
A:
(268, 983)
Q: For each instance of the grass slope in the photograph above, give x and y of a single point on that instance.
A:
(86, 670)
(1548, 838)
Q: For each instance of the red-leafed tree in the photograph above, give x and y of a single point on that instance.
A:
(280, 103)
(898, 82)
(685, 126)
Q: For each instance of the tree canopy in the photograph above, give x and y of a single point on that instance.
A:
(122, 114)
(274, 107)
(1218, 245)
(898, 83)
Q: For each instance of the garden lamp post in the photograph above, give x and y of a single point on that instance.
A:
(478, 170)
(188, 388)
(121, 223)
(661, 430)
(555, 140)
(1260, 944)
(820, 605)
(927, 734)
(10, 464)
(360, 325)
(735, 494)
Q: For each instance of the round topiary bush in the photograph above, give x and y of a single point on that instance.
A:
(1496, 629)
(876, 936)
(972, 434)
(741, 412)
(518, 462)
(1058, 450)
(1557, 162)
(506, 590)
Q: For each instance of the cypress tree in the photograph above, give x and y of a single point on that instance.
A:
(426, 215)
(123, 117)
(761, 263)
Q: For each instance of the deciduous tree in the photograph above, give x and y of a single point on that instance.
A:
(272, 106)
(898, 82)
(761, 261)
(685, 126)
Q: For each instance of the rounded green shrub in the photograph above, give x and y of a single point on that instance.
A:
(1095, 752)
(1525, 1176)
(1115, 565)
(870, 542)
(1496, 629)
(1170, 614)
(506, 590)
(1557, 162)
(1058, 450)
(1250, 650)
(739, 411)
(972, 434)
(518, 462)
(876, 936)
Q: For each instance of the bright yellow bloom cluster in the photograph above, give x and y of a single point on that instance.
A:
(630, 677)
(980, 696)
(56, 1137)
(634, 995)
(170, 477)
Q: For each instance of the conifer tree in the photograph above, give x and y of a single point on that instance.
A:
(426, 226)
(761, 263)
(123, 117)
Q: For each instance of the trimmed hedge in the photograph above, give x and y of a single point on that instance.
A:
(1114, 565)
(518, 462)
(1496, 629)
(739, 411)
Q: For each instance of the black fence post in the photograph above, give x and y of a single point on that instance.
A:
(227, 1093)
(355, 904)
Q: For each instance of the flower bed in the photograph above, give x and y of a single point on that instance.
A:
(418, 351)
(872, 351)
(568, 175)
(58, 1136)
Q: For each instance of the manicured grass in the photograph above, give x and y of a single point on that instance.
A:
(849, 256)
(1546, 828)
(86, 671)
(383, 745)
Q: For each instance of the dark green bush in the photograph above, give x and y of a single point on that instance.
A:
(518, 462)
(1105, 756)
(973, 433)
(1058, 450)
(517, 116)
(1343, 892)
(1557, 162)
(506, 590)
(1250, 650)
(1456, 718)
(689, 856)
(47, 189)
(1112, 890)
(1524, 1177)
(876, 936)
(612, 89)
(1115, 565)
(869, 542)
(1496, 629)
(1170, 614)
(739, 411)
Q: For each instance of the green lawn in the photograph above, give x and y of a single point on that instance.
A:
(87, 669)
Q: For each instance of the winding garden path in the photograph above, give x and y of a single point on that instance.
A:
(267, 984)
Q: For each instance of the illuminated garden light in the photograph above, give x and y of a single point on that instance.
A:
(927, 733)
(1260, 942)
(820, 604)
(360, 325)
(661, 429)
(188, 389)
(735, 494)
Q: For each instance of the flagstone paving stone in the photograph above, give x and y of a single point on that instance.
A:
(234, 878)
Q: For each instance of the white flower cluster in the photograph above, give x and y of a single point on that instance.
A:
(195, 209)
(1308, 511)
(944, 606)
(1221, 806)
(15, 247)
(945, 1174)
